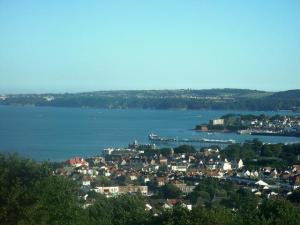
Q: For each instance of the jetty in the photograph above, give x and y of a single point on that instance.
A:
(155, 138)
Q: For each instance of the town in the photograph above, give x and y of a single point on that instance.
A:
(278, 125)
(170, 176)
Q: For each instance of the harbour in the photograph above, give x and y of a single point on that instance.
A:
(56, 134)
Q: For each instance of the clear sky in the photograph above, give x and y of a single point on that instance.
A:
(72, 46)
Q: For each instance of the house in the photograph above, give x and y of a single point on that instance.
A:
(123, 162)
(133, 176)
(194, 171)
(254, 174)
(107, 151)
(274, 173)
(88, 171)
(240, 164)
(261, 183)
(202, 127)
(77, 162)
(226, 165)
(133, 189)
(267, 169)
(86, 181)
(210, 152)
(296, 181)
(184, 188)
(108, 191)
(148, 207)
(163, 161)
(152, 162)
(211, 166)
(167, 206)
(161, 181)
(296, 169)
(247, 173)
(186, 205)
(145, 179)
(152, 168)
(171, 202)
(212, 173)
(180, 168)
(98, 160)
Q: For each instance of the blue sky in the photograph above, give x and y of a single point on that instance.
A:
(72, 46)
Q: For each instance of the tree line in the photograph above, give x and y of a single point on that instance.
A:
(274, 155)
(214, 99)
(31, 194)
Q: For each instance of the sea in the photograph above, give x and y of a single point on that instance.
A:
(57, 134)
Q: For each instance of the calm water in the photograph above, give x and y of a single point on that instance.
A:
(46, 133)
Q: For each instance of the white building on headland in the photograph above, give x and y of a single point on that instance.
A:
(49, 98)
(216, 122)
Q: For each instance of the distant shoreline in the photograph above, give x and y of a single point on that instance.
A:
(155, 109)
(181, 99)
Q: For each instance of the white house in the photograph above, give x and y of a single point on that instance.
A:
(181, 168)
(240, 164)
(86, 182)
(110, 191)
(226, 165)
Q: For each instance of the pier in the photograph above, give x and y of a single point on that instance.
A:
(155, 138)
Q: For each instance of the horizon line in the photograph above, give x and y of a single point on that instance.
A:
(128, 90)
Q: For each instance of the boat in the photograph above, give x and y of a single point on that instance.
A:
(153, 136)
(244, 131)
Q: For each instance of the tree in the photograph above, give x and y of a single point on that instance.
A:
(232, 152)
(18, 177)
(209, 189)
(170, 191)
(177, 216)
(212, 216)
(129, 209)
(271, 150)
(101, 212)
(245, 203)
(279, 211)
(123, 180)
(102, 181)
(166, 151)
(184, 149)
(295, 196)
(56, 203)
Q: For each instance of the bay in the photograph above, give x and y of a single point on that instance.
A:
(56, 134)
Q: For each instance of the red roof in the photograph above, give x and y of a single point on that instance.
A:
(172, 201)
(76, 160)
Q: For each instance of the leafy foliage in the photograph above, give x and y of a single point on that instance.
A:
(170, 191)
(295, 196)
(31, 194)
(126, 209)
(209, 190)
(184, 149)
(276, 155)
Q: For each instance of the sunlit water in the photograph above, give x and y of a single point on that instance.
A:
(46, 133)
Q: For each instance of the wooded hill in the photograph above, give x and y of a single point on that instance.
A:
(215, 99)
